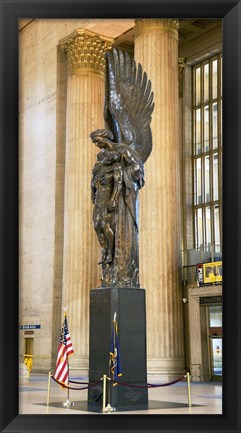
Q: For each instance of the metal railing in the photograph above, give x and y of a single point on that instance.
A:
(211, 253)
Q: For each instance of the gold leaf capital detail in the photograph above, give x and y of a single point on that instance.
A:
(156, 26)
(86, 52)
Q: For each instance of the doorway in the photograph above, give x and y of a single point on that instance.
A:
(28, 346)
(215, 341)
(28, 354)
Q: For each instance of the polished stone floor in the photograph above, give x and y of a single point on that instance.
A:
(206, 398)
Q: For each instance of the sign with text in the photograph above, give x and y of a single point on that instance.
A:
(212, 272)
(30, 327)
(208, 300)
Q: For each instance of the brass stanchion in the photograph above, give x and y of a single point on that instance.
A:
(188, 389)
(48, 395)
(104, 392)
(108, 408)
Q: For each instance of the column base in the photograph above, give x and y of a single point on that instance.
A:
(129, 306)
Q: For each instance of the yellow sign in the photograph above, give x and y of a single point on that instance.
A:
(212, 272)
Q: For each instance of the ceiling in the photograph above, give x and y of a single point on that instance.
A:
(191, 31)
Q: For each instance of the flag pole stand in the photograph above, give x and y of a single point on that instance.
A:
(108, 408)
(68, 403)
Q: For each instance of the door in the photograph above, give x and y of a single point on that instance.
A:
(215, 339)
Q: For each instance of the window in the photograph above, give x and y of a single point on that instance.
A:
(207, 152)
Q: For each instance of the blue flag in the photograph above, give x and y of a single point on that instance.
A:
(115, 364)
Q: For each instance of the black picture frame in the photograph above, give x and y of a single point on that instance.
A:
(230, 12)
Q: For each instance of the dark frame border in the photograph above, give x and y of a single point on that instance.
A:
(230, 11)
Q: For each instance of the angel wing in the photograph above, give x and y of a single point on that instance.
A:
(128, 102)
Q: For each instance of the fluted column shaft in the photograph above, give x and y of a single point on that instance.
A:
(85, 100)
(156, 48)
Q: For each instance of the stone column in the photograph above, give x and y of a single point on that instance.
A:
(156, 48)
(85, 101)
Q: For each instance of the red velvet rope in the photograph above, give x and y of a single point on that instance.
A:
(148, 385)
(89, 385)
(77, 389)
(79, 383)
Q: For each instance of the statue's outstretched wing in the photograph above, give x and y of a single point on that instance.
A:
(128, 102)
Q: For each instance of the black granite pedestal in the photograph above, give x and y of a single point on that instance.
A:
(129, 305)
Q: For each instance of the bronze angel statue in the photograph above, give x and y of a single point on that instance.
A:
(118, 174)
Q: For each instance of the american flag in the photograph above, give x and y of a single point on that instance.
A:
(64, 351)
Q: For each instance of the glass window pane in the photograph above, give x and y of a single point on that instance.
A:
(217, 227)
(208, 225)
(216, 350)
(206, 128)
(215, 124)
(207, 178)
(215, 315)
(198, 131)
(206, 82)
(215, 78)
(198, 173)
(215, 176)
(200, 227)
(198, 86)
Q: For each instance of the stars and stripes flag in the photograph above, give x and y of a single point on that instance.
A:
(65, 350)
(115, 363)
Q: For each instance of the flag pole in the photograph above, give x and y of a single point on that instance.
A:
(108, 405)
(109, 408)
(48, 394)
(67, 403)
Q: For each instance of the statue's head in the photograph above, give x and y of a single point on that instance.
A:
(100, 137)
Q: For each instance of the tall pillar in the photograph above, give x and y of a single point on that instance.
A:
(85, 101)
(156, 48)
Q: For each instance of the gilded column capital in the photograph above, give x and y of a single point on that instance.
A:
(86, 52)
(145, 26)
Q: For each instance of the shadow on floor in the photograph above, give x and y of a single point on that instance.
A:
(152, 405)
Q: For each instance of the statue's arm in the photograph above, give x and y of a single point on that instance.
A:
(133, 166)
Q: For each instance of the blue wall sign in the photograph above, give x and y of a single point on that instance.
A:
(30, 327)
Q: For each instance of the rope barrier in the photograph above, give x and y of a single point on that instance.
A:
(148, 384)
(167, 384)
(131, 385)
(108, 408)
(90, 385)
